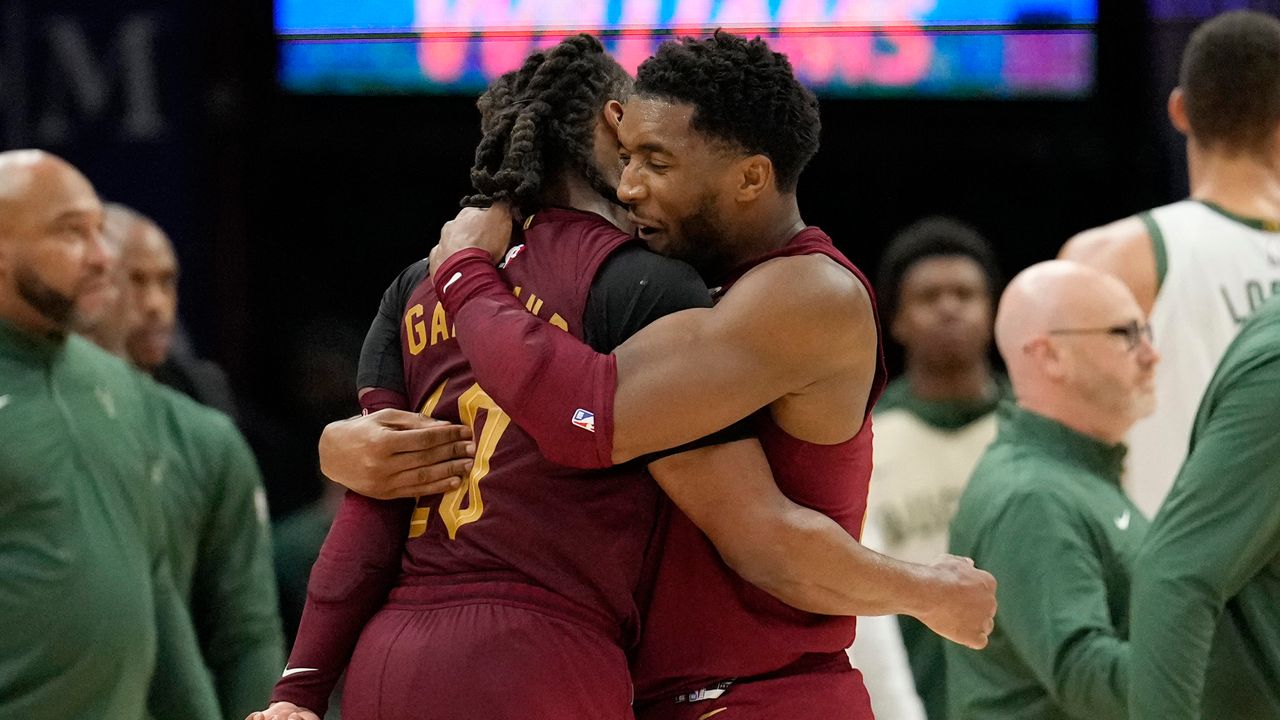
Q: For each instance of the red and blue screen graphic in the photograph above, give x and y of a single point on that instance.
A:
(932, 48)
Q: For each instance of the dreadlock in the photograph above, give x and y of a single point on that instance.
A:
(540, 120)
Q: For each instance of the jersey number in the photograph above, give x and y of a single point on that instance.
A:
(452, 512)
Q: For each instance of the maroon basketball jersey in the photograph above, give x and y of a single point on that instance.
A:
(705, 623)
(575, 538)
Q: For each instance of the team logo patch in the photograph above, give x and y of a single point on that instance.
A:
(511, 255)
(585, 420)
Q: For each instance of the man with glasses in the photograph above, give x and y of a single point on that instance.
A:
(1044, 511)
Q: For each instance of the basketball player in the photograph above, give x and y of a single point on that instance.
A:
(1202, 265)
(714, 142)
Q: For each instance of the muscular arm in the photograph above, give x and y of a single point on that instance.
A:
(1124, 249)
(785, 328)
(805, 558)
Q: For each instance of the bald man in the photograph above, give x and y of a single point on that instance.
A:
(150, 270)
(1044, 510)
(214, 502)
(93, 627)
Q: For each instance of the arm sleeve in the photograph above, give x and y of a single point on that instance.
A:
(1217, 529)
(1055, 611)
(350, 580)
(381, 362)
(544, 377)
(181, 685)
(234, 596)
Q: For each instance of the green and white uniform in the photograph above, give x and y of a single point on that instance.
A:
(1044, 514)
(1215, 269)
(220, 549)
(88, 600)
(1206, 595)
(925, 451)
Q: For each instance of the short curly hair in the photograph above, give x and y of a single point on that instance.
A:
(1231, 79)
(742, 93)
(540, 120)
(927, 238)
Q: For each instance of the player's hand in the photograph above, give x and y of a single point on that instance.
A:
(966, 610)
(283, 711)
(488, 229)
(392, 454)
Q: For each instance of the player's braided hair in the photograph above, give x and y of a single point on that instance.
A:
(743, 93)
(540, 120)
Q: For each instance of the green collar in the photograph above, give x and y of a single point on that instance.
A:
(942, 414)
(1023, 427)
(27, 345)
(1255, 223)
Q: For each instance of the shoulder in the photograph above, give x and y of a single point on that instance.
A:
(633, 266)
(1104, 243)
(403, 285)
(824, 292)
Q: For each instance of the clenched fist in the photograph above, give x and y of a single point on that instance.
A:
(966, 610)
(488, 229)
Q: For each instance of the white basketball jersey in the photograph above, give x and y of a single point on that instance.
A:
(1219, 269)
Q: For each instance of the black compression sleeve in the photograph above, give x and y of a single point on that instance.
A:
(381, 363)
(633, 288)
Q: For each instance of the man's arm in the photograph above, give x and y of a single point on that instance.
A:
(1217, 529)
(1055, 611)
(181, 686)
(1125, 249)
(787, 325)
(805, 558)
(234, 593)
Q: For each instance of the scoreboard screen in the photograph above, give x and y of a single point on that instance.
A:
(930, 48)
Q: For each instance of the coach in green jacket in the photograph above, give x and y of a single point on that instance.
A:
(1044, 511)
(1206, 593)
(93, 626)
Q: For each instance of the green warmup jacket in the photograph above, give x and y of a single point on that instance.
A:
(93, 625)
(220, 549)
(1206, 595)
(1044, 514)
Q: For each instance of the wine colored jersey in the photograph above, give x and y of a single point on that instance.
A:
(518, 518)
(706, 624)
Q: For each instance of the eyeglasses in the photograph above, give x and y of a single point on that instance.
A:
(1133, 332)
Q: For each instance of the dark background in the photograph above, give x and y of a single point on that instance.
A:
(292, 213)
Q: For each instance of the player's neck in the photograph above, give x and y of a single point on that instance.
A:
(1242, 184)
(963, 381)
(573, 191)
(777, 221)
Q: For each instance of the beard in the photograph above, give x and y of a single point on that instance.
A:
(56, 306)
(703, 242)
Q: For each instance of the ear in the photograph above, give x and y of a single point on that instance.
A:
(755, 177)
(1178, 111)
(613, 114)
(1049, 357)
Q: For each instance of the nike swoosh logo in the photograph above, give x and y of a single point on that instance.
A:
(717, 711)
(4, 401)
(294, 671)
(456, 277)
(1122, 522)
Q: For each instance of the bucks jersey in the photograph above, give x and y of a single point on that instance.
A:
(1214, 269)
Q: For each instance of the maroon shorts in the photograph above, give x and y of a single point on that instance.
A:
(483, 661)
(826, 689)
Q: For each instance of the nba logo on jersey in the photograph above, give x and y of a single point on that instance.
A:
(585, 420)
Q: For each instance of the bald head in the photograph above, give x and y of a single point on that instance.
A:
(148, 275)
(1061, 328)
(51, 249)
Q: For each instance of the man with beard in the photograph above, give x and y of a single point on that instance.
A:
(92, 620)
(1044, 509)
(714, 140)
(211, 492)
